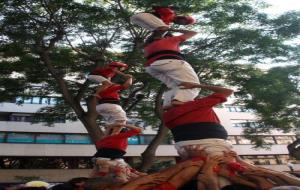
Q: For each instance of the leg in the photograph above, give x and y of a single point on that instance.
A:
(148, 21)
(173, 72)
(112, 113)
(97, 78)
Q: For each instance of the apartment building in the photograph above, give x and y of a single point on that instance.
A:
(63, 150)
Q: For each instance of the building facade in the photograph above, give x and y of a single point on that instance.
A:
(62, 151)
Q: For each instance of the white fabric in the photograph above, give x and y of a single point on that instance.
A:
(112, 113)
(183, 95)
(211, 147)
(114, 162)
(97, 78)
(172, 73)
(147, 21)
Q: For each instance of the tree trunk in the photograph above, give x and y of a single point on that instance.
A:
(88, 118)
(148, 155)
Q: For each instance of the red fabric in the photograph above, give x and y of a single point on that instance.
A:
(216, 169)
(118, 141)
(167, 15)
(165, 186)
(118, 64)
(106, 72)
(101, 173)
(168, 43)
(235, 167)
(111, 92)
(199, 110)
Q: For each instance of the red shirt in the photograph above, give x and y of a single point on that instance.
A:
(118, 141)
(168, 43)
(111, 92)
(106, 72)
(199, 110)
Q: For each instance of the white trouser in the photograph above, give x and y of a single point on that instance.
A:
(147, 21)
(173, 72)
(97, 78)
(211, 147)
(112, 113)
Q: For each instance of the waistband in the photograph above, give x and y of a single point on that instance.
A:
(197, 131)
(165, 52)
(109, 153)
(110, 101)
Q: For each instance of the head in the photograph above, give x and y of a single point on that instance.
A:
(102, 183)
(184, 20)
(113, 129)
(167, 14)
(78, 181)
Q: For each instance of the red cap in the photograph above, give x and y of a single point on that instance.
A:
(118, 64)
(166, 14)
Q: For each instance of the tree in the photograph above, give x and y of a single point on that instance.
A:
(47, 41)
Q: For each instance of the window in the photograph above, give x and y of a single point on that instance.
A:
(49, 138)
(262, 159)
(20, 138)
(238, 109)
(231, 139)
(245, 123)
(146, 139)
(133, 140)
(269, 139)
(238, 124)
(2, 137)
(53, 101)
(27, 100)
(45, 100)
(36, 100)
(283, 159)
(284, 139)
(19, 100)
(20, 118)
(77, 139)
(243, 140)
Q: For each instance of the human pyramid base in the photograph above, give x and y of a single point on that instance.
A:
(207, 160)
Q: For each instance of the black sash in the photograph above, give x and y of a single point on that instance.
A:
(164, 52)
(110, 153)
(197, 131)
(110, 101)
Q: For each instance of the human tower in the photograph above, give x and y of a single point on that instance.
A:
(207, 159)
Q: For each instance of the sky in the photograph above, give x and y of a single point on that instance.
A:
(280, 6)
